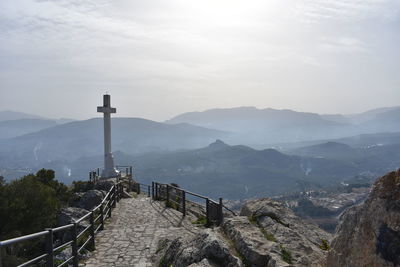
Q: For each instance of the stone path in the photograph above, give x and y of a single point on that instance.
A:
(131, 235)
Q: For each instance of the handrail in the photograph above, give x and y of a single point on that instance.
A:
(213, 208)
(96, 224)
(22, 238)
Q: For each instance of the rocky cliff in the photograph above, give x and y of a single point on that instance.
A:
(265, 234)
(369, 234)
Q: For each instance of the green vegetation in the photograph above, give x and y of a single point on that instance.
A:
(325, 245)
(172, 205)
(202, 220)
(268, 235)
(28, 205)
(286, 255)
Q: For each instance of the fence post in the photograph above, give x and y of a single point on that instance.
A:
(207, 212)
(109, 207)
(74, 234)
(152, 191)
(117, 192)
(114, 197)
(49, 248)
(101, 217)
(221, 215)
(148, 191)
(92, 228)
(184, 203)
(167, 201)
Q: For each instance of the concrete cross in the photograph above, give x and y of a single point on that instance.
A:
(109, 170)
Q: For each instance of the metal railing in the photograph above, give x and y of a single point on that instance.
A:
(141, 188)
(79, 240)
(123, 170)
(176, 198)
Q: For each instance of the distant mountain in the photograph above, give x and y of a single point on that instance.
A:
(13, 128)
(255, 126)
(233, 171)
(369, 115)
(8, 115)
(85, 138)
(331, 150)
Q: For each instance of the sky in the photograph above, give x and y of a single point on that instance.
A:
(160, 58)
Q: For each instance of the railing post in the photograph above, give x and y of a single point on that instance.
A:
(221, 215)
(184, 203)
(92, 228)
(207, 211)
(114, 197)
(117, 192)
(49, 248)
(74, 234)
(167, 201)
(109, 207)
(148, 191)
(152, 191)
(101, 217)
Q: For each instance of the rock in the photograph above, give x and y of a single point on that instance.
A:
(369, 234)
(105, 184)
(91, 199)
(205, 249)
(203, 263)
(269, 234)
(70, 214)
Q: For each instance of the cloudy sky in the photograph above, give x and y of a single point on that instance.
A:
(159, 58)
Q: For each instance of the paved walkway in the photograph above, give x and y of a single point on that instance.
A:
(131, 236)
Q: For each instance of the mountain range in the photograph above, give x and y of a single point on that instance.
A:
(258, 161)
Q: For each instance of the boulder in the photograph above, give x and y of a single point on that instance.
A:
(204, 249)
(269, 234)
(69, 215)
(90, 199)
(369, 234)
(105, 185)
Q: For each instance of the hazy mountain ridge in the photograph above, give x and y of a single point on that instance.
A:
(85, 138)
(13, 128)
(258, 126)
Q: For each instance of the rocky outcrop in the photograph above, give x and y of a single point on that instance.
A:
(369, 234)
(69, 215)
(269, 234)
(89, 199)
(205, 249)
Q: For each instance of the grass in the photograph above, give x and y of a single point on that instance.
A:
(325, 245)
(200, 221)
(268, 235)
(286, 255)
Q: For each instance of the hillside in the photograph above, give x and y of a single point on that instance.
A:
(233, 172)
(7, 115)
(85, 138)
(13, 128)
(260, 126)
